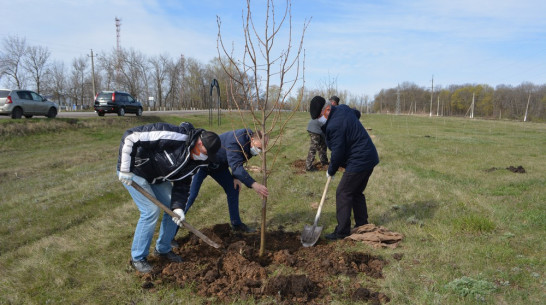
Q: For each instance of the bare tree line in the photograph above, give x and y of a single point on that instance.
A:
(162, 82)
(502, 102)
(159, 82)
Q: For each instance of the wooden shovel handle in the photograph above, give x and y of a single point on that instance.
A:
(322, 200)
(173, 214)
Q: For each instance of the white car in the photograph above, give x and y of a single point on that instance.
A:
(18, 103)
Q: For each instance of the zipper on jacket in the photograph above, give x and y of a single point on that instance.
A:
(168, 157)
(191, 173)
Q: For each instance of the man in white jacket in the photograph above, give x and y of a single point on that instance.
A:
(161, 158)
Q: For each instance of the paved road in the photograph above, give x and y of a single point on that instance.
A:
(87, 114)
(70, 114)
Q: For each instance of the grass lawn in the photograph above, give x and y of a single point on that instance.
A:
(474, 231)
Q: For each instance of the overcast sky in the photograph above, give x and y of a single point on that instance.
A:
(365, 46)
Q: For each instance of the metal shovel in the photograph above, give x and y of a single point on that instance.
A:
(311, 234)
(172, 214)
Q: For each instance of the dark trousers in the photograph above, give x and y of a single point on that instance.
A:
(350, 196)
(225, 179)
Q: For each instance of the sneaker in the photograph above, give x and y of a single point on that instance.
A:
(170, 256)
(242, 228)
(312, 169)
(141, 266)
(334, 236)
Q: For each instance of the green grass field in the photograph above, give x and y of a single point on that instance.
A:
(474, 231)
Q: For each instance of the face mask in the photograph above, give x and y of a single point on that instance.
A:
(325, 113)
(200, 156)
(322, 120)
(255, 151)
(197, 154)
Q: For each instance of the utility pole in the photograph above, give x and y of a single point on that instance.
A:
(93, 73)
(398, 100)
(431, 95)
(118, 51)
(472, 107)
(527, 108)
(182, 72)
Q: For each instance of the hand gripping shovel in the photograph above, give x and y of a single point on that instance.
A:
(172, 214)
(311, 234)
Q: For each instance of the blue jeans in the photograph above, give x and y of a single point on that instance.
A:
(225, 179)
(149, 214)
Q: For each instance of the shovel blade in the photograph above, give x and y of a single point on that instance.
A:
(310, 235)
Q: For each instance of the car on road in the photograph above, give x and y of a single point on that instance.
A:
(116, 102)
(19, 103)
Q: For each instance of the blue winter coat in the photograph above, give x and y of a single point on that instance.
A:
(233, 156)
(347, 139)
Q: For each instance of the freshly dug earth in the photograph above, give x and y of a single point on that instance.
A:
(287, 273)
(518, 169)
(511, 168)
(299, 166)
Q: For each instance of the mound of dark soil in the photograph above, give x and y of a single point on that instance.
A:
(518, 169)
(298, 166)
(511, 168)
(288, 272)
(492, 169)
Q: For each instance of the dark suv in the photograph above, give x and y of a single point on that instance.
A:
(116, 102)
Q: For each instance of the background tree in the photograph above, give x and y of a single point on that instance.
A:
(56, 80)
(484, 100)
(216, 71)
(172, 83)
(35, 63)
(260, 69)
(133, 73)
(196, 82)
(501, 100)
(461, 100)
(11, 61)
(328, 87)
(77, 91)
(159, 72)
(106, 72)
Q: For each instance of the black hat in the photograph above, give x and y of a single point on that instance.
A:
(315, 106)
(335, 99)
(212, 143)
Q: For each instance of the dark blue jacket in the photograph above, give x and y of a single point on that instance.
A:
(235, 151)
(347, 139)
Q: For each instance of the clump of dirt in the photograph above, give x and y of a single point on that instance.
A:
(287, 272)
(296, 287)
(518, 169)
(511, 168)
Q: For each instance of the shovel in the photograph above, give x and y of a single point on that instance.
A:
(311, 234)
(172, 214)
